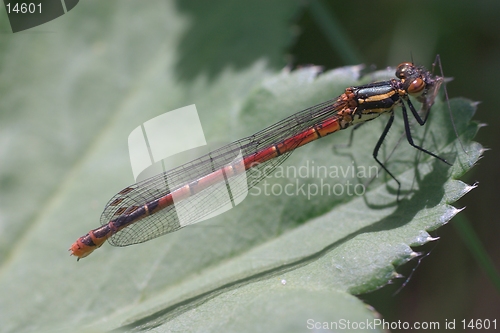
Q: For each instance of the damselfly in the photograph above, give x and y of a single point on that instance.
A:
(152, 207)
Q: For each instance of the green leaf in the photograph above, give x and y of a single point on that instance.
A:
(272, 263)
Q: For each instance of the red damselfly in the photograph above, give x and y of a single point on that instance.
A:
(151, 208)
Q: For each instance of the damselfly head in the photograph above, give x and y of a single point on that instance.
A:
(416, 81)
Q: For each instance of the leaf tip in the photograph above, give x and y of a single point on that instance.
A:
(432, 239)
(449, 214)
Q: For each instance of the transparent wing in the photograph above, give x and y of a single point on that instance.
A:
(201, 205)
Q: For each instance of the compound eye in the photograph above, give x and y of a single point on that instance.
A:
(416, 87)
(402, 71)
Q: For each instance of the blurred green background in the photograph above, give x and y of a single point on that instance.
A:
(449, 283)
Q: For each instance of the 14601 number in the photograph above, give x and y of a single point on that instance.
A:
(24, 8)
